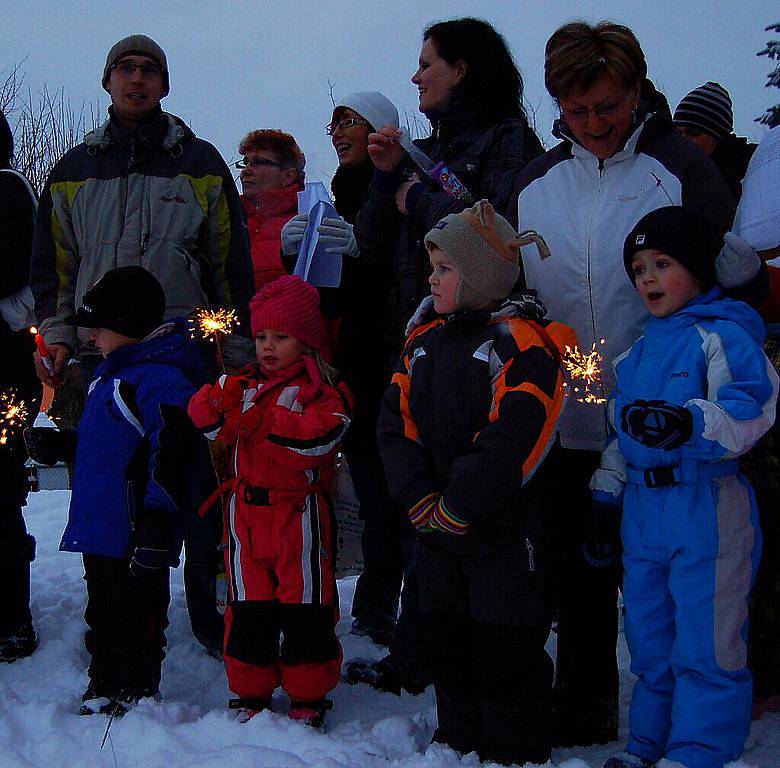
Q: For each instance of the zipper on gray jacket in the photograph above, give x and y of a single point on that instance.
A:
(531, 562)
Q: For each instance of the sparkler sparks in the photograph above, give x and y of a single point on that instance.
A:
(214, 322)
(13, 414)
(585, 367)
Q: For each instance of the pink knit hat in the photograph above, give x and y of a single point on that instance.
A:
(291, 305)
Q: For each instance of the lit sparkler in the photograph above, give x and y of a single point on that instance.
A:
(213, 324)
(13, 414)
(585, 367)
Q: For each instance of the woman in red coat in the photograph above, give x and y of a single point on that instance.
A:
(272, 174)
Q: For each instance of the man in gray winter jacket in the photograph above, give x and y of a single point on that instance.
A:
(140, 190)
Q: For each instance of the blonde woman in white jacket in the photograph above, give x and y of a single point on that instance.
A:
(619, 158)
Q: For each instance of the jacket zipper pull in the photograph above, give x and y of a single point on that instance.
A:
(530, 548)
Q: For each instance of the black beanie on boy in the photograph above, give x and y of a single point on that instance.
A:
(126, 300)
(684, 234)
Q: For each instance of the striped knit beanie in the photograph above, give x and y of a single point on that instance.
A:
(290, 305)
(707, 108)
(485, 248)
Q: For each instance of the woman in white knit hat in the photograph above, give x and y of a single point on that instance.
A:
(354, 311)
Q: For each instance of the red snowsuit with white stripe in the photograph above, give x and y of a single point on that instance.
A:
(279, 529)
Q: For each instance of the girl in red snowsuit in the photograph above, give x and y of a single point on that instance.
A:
(285, 419)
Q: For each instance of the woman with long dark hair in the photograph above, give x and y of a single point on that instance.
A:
(470, 90)
(17, 376)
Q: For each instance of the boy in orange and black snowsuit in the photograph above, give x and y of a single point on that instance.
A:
(467, 420)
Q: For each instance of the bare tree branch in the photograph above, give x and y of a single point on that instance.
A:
(45, 124)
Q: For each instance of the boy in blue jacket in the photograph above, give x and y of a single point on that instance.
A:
(693, 393)
(132, 451)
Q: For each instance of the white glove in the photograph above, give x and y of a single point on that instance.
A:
(420, 316)
(737, 263)
(292, 233)
(337, 235)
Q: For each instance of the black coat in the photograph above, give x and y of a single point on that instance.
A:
(17, 220)
(486, 159)
(732, 156)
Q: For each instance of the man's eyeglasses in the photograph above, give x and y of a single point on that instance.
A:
(128, 68)
(257, 162)
(604, 111)
(343, 124)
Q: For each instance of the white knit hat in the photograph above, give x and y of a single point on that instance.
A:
(758, 215)
(371, 105)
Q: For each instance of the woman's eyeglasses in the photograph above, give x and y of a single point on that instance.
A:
(257, 162)
(604, 111)
(128, 68)
(343, 124)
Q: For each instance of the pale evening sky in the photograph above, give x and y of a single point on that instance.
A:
(236, 66)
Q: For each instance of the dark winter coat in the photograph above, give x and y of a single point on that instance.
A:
(470, 413)
(585, 207)
(135, 443)
(486, 159)
(361, 353)
(17, 220)
(157, 197)
(732, 156)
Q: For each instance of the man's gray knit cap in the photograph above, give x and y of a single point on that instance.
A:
(138, 45)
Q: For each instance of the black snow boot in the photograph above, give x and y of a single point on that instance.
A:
(126, 700)
(97, 699)
(19, 643)
(381, 675)
(380, 631)
(628, 760)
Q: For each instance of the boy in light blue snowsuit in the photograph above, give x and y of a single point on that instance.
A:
(693, 393)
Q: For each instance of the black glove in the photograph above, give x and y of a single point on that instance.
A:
(602, 533)
(153, 545)
(657, 424)
(48, 446)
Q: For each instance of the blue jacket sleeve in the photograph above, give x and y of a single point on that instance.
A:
(162, 402)
(742, 390)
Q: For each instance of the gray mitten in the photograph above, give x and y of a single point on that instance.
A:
(737, 263)
(421, 315)
(292, 233)
(337, 236)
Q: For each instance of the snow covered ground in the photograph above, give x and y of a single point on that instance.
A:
(40, 696)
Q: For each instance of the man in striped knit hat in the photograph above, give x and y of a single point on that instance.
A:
(705, 117)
